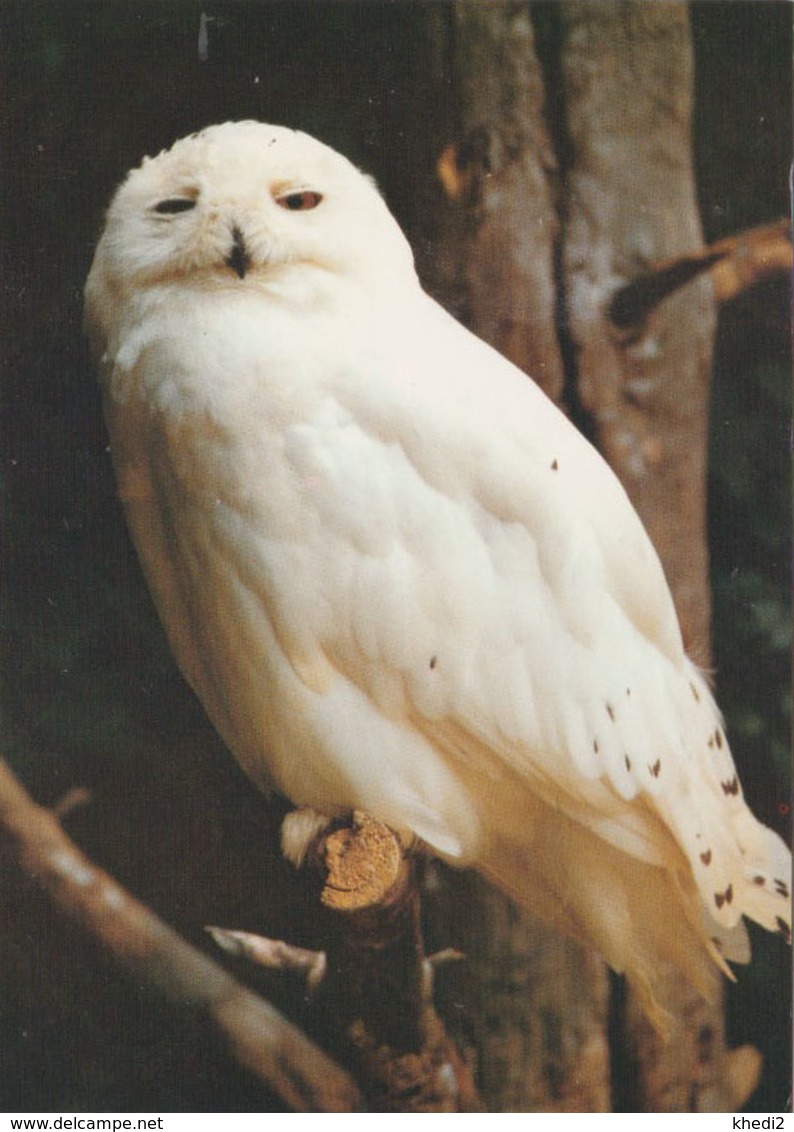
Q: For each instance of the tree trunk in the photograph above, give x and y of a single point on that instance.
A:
(627, 77)
(630, 200)
(541, 1027)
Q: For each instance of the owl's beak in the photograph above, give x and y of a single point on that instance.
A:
(238, 258)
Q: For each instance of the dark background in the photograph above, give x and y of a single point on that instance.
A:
(91, 697)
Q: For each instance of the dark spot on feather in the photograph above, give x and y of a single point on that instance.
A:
(725, 897)
(706, 857)
(783, 928)
(731, 787)
(695, 693)
(628, 691)
(711, 741)
(628, 762)
(611, 712)
(595, 745)
(782, 887)
(657, 766)
(718, 738)
(433, 661)
(554, 465)
(759, 880)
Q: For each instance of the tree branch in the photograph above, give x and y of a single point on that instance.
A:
(257, 1035)
(736, 264)
(273, 954)
(750, 258)
(372, 988)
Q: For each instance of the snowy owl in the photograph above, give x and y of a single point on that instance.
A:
(395, 575)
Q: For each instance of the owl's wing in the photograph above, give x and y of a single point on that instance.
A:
(493, 592)
(146, 512)
(492, 588)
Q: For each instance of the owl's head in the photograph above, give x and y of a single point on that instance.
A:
(237, 203)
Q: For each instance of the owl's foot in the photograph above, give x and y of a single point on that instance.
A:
(299, 829)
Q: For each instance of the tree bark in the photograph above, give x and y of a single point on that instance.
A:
(497, 230)
(630, 191)
(537, 1009)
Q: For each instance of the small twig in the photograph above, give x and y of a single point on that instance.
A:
(631, 304)
(753, 256)
(72, 800)
(274, 954)
(736, 264)
(258, 1036)
(446, 955)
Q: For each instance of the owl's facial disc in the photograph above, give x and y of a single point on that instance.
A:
(238, 259)
(253, 204)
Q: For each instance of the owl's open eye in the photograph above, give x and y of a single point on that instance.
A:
(174, 204)
(300, 201)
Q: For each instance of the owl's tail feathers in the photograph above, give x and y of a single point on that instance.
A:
(741, 867)
(638, 916)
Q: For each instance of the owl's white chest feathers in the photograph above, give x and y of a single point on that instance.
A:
(265, 497)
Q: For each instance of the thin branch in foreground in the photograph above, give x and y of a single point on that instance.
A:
(258, 1037)
(273, 954)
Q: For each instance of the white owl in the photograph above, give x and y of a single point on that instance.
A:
(396, 576)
